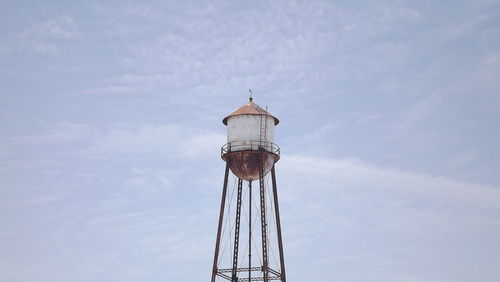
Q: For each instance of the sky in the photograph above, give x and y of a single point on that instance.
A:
(110, 136)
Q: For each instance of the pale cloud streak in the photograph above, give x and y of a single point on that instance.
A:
(402, 220)
(46, 37)
(157, 140)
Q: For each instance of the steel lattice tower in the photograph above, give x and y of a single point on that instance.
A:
(250, 155)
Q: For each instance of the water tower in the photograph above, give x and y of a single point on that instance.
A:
(249, 247)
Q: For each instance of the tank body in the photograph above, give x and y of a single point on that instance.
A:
(250, 142)
(244, 132)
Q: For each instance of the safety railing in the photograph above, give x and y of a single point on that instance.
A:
(250, 145)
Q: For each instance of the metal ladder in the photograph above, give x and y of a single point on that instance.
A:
(263, 130)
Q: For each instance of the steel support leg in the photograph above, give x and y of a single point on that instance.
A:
(263, 223)
(221, 219)
(249, 230)
(234, 277)
(278, 225)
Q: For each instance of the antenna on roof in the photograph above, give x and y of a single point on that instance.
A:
(250, 98)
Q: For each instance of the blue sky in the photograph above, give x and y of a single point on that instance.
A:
(111, 129)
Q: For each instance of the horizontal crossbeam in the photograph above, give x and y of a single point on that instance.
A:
(240, 269)
(222, 273)
(260, 278)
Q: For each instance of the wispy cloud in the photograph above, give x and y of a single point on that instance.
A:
(109, 90)
(46, 36)
(157, 140)
(63, 27)
(62, 132)
(384, 216)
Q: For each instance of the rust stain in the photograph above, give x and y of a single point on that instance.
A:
(245, 164)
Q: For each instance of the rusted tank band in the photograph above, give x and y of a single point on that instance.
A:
(245, 164)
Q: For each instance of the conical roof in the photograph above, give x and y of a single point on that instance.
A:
(250, 108)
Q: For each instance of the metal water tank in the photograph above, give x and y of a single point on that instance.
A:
(250, 141)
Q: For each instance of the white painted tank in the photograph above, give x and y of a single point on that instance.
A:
(250, 128)
(244, 132)
(250, 141)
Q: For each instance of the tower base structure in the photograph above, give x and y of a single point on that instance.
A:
(244, 266)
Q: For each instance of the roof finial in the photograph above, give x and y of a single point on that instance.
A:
(250, 98)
